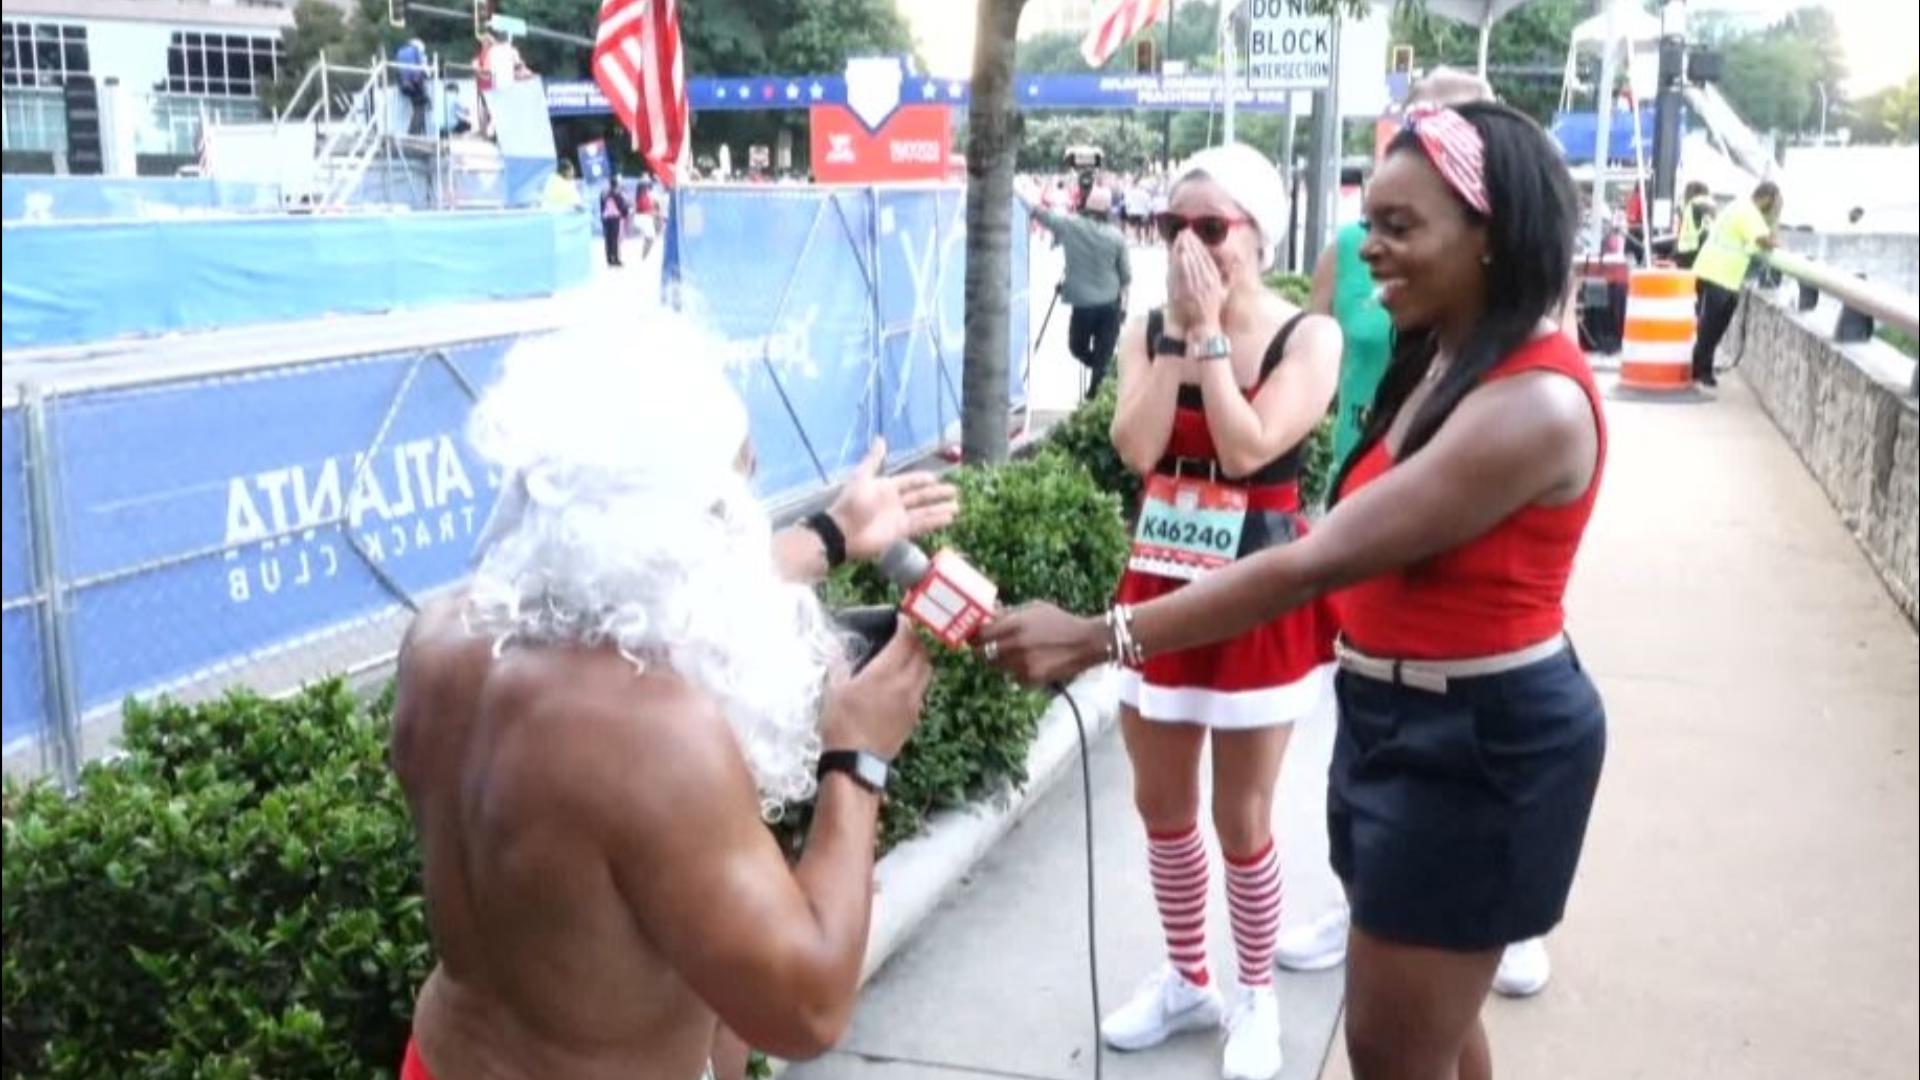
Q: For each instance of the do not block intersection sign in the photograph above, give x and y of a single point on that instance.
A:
(1288, 45)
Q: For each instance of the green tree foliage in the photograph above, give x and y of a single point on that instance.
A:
(1771, 76)
(1891, 115)
(779, 37)
(1131, 144)
(317, 26)
(1057, 52)
(1525, 54)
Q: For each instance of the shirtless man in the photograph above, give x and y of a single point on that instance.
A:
(590, 735)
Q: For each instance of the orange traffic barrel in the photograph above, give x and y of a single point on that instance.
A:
(1656, 351)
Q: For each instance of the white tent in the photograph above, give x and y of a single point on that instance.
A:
(1636, 34)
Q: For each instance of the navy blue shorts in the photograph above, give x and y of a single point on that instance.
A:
(1456, 820)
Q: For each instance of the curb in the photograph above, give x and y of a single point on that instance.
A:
(913, 878)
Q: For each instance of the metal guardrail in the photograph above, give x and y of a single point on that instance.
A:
(1863, 302)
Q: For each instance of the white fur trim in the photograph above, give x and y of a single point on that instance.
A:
(1228, 710)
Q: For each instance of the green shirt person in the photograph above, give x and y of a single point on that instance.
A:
(1738, 234)
(1344, 289)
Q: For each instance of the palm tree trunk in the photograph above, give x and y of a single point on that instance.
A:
(993, 137)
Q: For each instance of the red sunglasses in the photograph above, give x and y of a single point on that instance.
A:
(1212, 229)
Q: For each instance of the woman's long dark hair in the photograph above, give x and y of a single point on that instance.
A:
(1530, 245)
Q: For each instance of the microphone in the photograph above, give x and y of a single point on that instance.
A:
(943, 594)
(869, 629)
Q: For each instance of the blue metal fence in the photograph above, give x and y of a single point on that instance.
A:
(273, 524)
(99, 198)
(23, 707)
(144, 278)
(845, 310)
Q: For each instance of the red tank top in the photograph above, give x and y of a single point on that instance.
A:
(1498, 592)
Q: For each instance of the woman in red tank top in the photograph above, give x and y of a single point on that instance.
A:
(1470, 739)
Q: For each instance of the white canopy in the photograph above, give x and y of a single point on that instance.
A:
(1634, 25)
(1481, 13)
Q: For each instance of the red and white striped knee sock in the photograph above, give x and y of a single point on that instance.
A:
(1253, 902)
(1179, 865)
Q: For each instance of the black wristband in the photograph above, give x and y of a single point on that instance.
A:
(869, 770)
(1168, 345)
(831, 538)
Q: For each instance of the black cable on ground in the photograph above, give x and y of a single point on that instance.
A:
(1093, 944)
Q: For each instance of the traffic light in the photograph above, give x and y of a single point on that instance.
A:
(1143, 57)
(396, 13)
(1402, 61)
(482, 12)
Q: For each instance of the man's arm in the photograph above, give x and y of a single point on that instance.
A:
(1124, 264)
(872, 512)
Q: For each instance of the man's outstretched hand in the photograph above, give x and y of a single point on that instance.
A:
(1039, 644)
(874, 511)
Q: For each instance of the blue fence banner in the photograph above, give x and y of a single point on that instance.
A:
(22, 677)
(843, 312)
(124, 279)
(242, 512)
(1578, 132)
(95, 198)
(209, 524)
(580, 97)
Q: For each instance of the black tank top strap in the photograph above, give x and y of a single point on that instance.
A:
(1277, 349)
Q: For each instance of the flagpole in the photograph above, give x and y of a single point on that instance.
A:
(1227, 87)
(1166, 114)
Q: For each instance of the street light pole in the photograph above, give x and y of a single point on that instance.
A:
(1822, 87)
(1166, 114)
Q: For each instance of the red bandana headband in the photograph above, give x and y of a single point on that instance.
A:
(1456, 149)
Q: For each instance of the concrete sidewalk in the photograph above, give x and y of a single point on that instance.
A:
(1747, 903)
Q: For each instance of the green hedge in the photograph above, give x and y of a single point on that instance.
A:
(1086, 436)
(237, 897)
(1040, 528)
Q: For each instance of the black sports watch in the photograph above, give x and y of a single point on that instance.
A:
(867, 769)
(832, 540)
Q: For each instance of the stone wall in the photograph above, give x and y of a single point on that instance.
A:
(1846, 411)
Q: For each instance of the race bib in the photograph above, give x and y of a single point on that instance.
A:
(1188, 526)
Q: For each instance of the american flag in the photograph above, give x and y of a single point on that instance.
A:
(1121, 21)
(637, 62)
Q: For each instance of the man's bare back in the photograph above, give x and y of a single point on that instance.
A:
(512, 767)
(600, 885)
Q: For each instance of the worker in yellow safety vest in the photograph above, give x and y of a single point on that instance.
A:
(1696, 213)
(1740, 232)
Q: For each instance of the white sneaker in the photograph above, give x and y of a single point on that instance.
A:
(1165, 1005)
(1317, 946)
(1253, 1036)
(1524, 969)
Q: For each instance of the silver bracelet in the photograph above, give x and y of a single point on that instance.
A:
(1122, 646)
